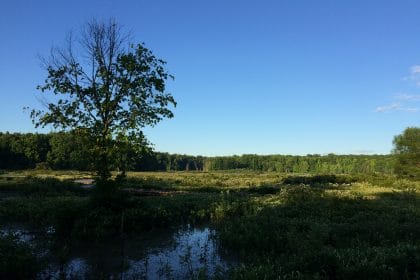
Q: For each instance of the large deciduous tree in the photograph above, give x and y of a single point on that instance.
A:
(407, 152)
(107, 86)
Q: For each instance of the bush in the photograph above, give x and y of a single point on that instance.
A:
(17, 261)
(319, 179)
(42, 166)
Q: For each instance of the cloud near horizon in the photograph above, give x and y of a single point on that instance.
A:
(395, 107)
(404, 98)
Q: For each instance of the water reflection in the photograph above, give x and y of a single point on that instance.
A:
(182, 254)
(19, 232)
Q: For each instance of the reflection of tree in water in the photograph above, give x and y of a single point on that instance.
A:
(164, 254)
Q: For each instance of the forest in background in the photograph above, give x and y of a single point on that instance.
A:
(71, 150)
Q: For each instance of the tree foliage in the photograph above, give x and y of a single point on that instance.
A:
(328, 164)
(106, 87)
(71, 150)
(407, 151)
(19, 151)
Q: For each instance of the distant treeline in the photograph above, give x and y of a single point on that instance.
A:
(305, 164)
(70, 150)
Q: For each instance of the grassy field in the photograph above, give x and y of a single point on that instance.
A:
(279, 226)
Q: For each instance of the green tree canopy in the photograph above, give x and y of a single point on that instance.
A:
(407, 151)
(106, 86)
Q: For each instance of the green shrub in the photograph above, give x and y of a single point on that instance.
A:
(319, 179)
(17, 261)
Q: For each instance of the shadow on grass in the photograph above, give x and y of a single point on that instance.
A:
(151, 183)
(319, 179)
(298, 231)
(30, 186)
(173, 185)
(309, 233)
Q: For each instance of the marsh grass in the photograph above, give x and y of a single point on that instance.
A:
(359, 231)
(17, 259)
(281, 226)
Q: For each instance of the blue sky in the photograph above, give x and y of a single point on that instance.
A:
(265, 77)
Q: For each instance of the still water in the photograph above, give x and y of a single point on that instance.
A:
(185, 253)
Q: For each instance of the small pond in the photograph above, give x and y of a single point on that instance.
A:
(184, 253)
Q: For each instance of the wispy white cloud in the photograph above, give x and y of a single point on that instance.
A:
(409, 109)
(414, 75)
(395, 107)
(388, 108)
(407, 97)
(415, 69)
(403, 102)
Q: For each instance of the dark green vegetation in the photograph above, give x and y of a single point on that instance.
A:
(64, 151)
(407, 152)
(17, 260)
(315, 217)
(279, 226)
(107, 89)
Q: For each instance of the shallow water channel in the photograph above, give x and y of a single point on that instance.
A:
(184, 253)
